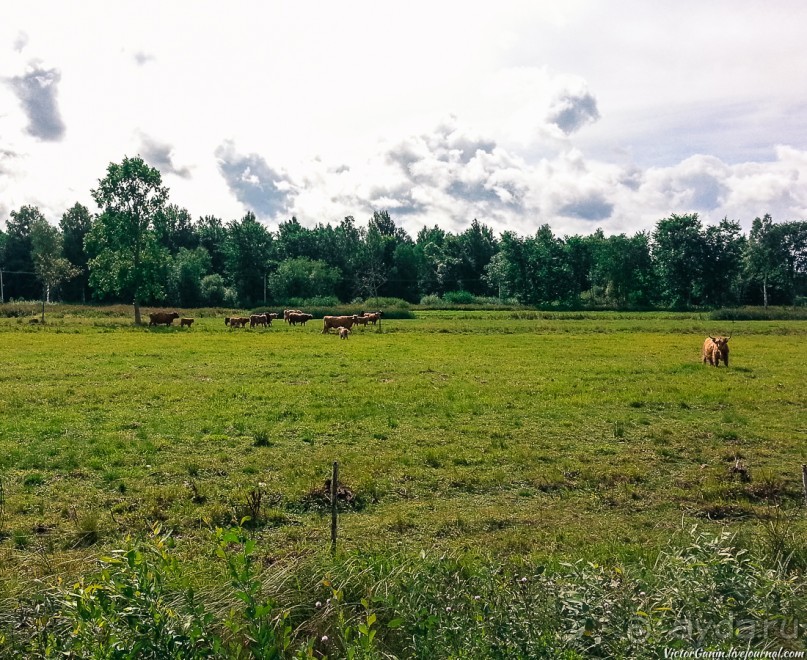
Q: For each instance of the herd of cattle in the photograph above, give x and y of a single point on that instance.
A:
(715, 349)
(342, 324)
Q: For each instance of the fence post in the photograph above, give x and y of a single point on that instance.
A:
(334, 514)
(804, 481)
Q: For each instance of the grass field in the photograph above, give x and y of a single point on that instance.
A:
(594, 436)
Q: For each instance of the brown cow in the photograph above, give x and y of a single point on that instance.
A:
(362, 320)
(236, 321)
(299, 317)
(286, 313)
(344, 333)
(156, 318)
(259, 319)
(373, 317)
(338, 322)
(185, 322)
(716, 349)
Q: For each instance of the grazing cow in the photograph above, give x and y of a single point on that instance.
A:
(362, 320)
(344, 333)
(236, 321)
(299, 317)
(156, 318)
(185, 322)
(373, 317)
(338, 322)
(287, 312)
(716, 349)
(259, 319)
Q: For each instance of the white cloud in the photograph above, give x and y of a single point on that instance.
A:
(578, 114)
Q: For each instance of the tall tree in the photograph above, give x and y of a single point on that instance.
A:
(3, 240)
(248, 249)
(722, 263)
(765, 255)
(175, 229)
(187, 269)
(75, 225)
(127, 258)
(20, 281)
(678, 251)
(212, 237)
(794, 236)
(50, 265)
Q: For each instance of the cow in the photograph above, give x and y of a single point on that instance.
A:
(259, 319)
(271, 317)
(362, 320)
(299, 317)
(344, 333)
(236, 321)
(185, 322)
(372, 317)
(338, 322)
(156, 318)
(287, 312)
(716, 349)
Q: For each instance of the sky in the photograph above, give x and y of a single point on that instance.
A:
(583, 114)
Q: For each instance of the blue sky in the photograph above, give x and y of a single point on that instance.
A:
(580, 114)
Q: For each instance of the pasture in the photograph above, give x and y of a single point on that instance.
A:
(537, 437)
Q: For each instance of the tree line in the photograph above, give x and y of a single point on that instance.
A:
(139, 248)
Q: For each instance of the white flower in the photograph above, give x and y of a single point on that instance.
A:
(318, 604)
(324, 639)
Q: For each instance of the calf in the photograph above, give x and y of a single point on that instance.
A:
(344, 333)
(716, 349)
(185, 322)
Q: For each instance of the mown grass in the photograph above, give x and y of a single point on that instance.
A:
(533, 437)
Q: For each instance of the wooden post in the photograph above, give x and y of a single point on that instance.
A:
(804, 481)
(334, 514)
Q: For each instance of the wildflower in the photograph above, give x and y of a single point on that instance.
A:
(524, 580)
(477, 597)
(318, 604)
(448, 609)
(324, 639)
(328, 601)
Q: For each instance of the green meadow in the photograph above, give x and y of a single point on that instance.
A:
(529, 438)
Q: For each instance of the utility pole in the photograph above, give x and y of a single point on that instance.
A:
(2, 295)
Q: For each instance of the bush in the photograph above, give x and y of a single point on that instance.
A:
(759, 314)
(459, 297)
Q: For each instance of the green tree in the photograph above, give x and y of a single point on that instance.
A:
(430, 253)
(722, 263)
(3, 241)
(477, 245)
(50, 265)
(126, 256)
(20, 281)
(213, 290)
(75, 225)
(247, 250)
(213, 237)
(765, 255)
(303, 278)
(175, 229)
(794, 236)
(678, 252)
(188, 268)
